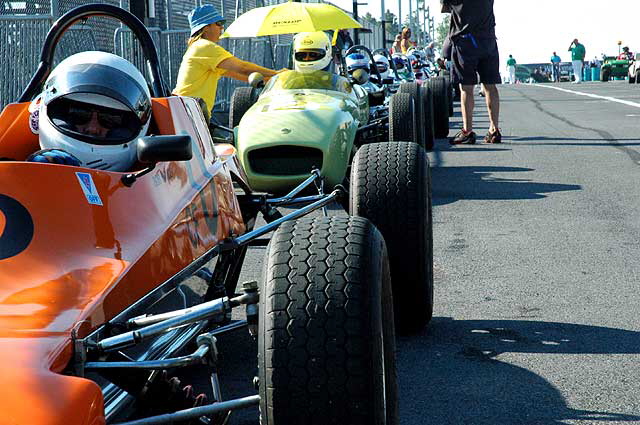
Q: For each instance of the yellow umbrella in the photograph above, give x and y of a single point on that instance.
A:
(289, 17)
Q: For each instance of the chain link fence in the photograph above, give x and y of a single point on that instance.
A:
(24, 26)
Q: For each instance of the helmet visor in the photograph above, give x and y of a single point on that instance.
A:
(310, 55)
(382, 67)
(100, 80)
(98, 125)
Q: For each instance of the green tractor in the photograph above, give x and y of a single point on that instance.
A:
(613, 67)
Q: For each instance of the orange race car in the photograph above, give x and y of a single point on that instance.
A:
(96, 312)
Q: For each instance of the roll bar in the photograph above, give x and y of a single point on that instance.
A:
(59, 27)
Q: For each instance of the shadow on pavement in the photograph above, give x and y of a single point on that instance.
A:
(451, 184)
(453, 377)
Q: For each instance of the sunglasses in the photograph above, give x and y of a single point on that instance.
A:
(308, 56)
(108, 119)
(221, 24)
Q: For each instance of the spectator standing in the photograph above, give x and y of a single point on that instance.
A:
(205, 62)
(555, 67)
(475, 53)
(511, 69)
(396, 48)
(405, 42)
(577, 58)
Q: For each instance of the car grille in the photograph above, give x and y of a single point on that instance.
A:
(285, 160)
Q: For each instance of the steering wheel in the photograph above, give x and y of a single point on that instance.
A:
(158, 88)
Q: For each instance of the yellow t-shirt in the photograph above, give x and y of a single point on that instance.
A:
(199, 73)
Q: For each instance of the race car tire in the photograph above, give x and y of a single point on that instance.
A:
(402, 118)
(632, 80)
(427, 107)
(637, 77)
(451, 95)
(241, 100)
(605, 75)
(414, 90)
(391, 186)
(440, 107)
(326, 341)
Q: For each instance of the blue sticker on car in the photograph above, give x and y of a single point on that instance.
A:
(89, 188)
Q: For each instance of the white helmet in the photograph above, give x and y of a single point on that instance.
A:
(356, 61)
(311, 51)
(382, 63)
(94, 106)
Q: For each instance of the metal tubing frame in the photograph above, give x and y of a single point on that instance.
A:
(200, 312)
(196, 412)
(196, 358)
(247, 237)
(315, 175)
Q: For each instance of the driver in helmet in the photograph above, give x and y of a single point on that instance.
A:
(382, 63)
(93, 108)
(626, 54)
(311, 52)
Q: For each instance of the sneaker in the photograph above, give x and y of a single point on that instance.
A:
(463, 138)
(495, 137)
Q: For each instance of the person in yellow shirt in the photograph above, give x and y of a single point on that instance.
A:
(205, 61)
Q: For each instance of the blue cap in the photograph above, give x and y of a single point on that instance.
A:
(202, 16)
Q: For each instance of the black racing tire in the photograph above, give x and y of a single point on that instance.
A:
(402, 118)
(326, 344)
(605, 75)
(638, 77)
(241, 100)
(391, 186)
(440, 107)
(414, 90)
(632, 80)
(427, 108)
(451, 92)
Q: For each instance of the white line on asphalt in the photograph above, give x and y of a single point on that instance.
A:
(579, 93)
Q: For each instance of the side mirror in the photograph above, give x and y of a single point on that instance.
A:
(360, 76)
(256, 80)
(152, 149)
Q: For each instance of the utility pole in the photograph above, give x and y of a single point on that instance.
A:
(399, 15)
(411, 16)
(356, 35)
(384, 24)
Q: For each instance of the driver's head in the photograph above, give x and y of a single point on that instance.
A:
(625, 49)
(311, 51)
(382, 63)
(94, 106)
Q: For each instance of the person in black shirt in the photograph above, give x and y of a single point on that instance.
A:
(474, 54)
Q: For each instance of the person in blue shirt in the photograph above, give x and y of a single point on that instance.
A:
(555, 67)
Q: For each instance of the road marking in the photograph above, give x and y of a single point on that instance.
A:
(595, 96)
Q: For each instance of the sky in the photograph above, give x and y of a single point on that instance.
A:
(532, 30)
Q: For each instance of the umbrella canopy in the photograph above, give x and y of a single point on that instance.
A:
(289, 17)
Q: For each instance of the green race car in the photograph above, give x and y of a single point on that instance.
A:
(613, 67)
(320, 120)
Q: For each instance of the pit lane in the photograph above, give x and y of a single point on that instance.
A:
(536, 247)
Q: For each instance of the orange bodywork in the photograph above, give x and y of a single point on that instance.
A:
(68, 264)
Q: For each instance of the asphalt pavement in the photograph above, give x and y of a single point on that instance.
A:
(537, 278)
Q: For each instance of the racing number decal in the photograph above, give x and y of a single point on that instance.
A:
(18, 228)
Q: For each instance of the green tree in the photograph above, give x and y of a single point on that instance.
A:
(442, 30)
